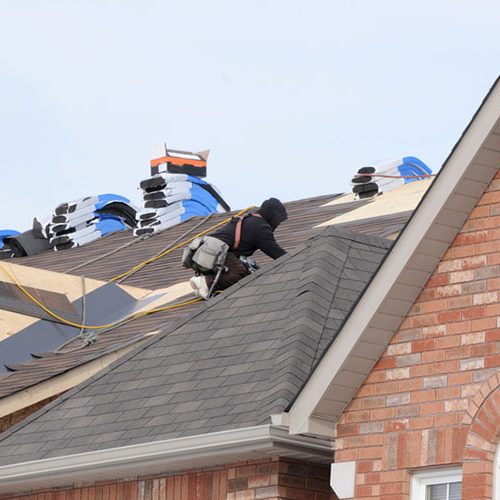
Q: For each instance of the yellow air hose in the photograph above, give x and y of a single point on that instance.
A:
(180, 245)
(138, 266)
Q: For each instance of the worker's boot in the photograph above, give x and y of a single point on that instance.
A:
(199, 286)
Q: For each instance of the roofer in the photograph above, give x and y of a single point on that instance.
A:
(222, 259)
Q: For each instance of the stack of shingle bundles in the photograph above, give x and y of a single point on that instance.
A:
(7, 233)
(87, 219)
(27, 243)
(173, 198)
(370, 181)
(5, 251)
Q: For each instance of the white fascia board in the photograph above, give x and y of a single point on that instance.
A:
(396, 270)
(165, 456)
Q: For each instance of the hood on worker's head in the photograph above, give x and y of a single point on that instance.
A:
(273, 212)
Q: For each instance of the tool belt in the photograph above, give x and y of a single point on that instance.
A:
(207, 253)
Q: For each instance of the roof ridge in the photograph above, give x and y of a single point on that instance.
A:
(305, 325)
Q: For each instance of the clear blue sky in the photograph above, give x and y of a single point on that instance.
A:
(290, 96)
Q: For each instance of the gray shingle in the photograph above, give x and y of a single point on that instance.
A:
(240, 358)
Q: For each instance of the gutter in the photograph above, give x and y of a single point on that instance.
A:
(167, 456)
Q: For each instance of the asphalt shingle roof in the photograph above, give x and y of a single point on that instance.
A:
(118, 252)
(235, 361)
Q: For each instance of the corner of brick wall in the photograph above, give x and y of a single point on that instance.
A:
(409, 413)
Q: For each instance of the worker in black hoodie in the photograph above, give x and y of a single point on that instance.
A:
(257, 233)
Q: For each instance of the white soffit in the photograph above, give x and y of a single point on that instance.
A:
(173, 455)
(364, 336)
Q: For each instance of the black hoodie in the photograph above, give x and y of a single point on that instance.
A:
(256, 232)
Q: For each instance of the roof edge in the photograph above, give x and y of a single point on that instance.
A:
(165, 456)
(466, 173)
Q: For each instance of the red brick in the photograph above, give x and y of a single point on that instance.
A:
(374, 452)
(471, 237)
(449, 316)
(392, 488)
(423, 396)
(459, 327)
(462, 251)
(357, 416)
(382, 413)
(421, 423)
(459, 378)
(422, 370)
(473, 312)
(492, 361)
(364, 491)
(482, 349)
(350, 455)
(433, 356)
(385, 388)
(478, 212)
(493, 335)
(493, 310)
(447, 342)
(373, 402)
(396, 425)
(478, 325)
(364, 466)
(432, 408)
(438, 280)
(423, 345)
(434, 305)
(384, 363)
(458, 352)
(493, 258)
(489, 198)
(493, 284)
(347, 429)
(448, 392)
(488, 247)
(459, 302)
(474, 262)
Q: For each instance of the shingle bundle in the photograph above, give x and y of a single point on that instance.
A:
(7, 233)
(370, 181)
(79, 222)
(169, 199)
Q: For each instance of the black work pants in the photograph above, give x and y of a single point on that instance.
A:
(236, 270)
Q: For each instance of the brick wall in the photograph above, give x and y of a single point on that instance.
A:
(273, 479)
(433, 398)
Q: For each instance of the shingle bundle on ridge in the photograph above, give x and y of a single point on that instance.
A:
(373, 180)
(169, 199)
(175, 192)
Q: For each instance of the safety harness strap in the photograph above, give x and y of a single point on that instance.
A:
(237, 236)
